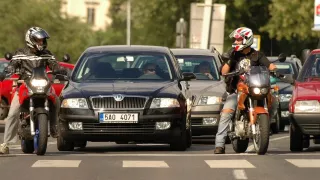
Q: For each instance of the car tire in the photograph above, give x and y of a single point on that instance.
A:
(275, 127)
(64, 145)
(296, 139)
(180, 142)
(189, 137)
(3, 109)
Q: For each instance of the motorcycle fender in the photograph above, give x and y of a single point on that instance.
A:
(40, 111)
(256, 112)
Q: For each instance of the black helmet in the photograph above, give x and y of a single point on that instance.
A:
(35, 33)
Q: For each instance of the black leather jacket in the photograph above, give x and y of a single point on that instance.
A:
(25, 67)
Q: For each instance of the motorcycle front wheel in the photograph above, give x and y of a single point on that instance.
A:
(261, 138)
(41, 137)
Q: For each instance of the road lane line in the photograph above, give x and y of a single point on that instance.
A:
(305, 163)
(56, 163)
(229, 163)
(251, 147)
(144, 164)
(239, 174)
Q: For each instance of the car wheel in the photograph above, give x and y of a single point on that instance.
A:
(180, 141)
(296, 139)
(189, 137)
(3, 110)
(64, 145)
(276, 126)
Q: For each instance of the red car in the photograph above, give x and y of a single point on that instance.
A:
(304, 106)
(6, 88)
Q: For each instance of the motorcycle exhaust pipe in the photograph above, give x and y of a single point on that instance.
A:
(31, 108)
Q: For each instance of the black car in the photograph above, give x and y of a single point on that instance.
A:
(291, 66)
(209, 89)
(110, 97)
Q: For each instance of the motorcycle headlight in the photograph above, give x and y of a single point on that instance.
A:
(39, 82)
(285, 97)
(164, 103)
(258, 91)
(307, 106)
(74, 103)
(206, 100)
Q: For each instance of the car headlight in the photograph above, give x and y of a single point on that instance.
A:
(74, 103)
(307, 106)
(39, 82)
(285, 97)
(164, 103)
(205, 100)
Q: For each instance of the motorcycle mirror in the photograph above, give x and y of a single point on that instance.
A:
(66, 58)
(225, 56)
(282, 57)
(8, 56)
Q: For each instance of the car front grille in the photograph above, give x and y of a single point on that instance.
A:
(196, 121)
(111, 103)
(121, 128)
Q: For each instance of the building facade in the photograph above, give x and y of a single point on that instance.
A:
(93, 12)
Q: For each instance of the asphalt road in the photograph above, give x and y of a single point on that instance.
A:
(144, 162)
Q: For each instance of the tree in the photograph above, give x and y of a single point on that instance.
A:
(67, 35)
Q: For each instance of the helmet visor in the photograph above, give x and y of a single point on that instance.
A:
(40, 35)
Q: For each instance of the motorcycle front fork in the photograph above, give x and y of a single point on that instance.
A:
(251, 110)
(31, 109)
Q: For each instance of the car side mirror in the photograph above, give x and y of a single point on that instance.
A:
(8, 56)
(188, 76)
(225, 56)
(61, 77)
(282, 57)
(66, 58)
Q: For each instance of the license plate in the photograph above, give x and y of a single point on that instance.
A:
(118, 117)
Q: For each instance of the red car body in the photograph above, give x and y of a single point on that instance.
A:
(6, 89)
(304, 106)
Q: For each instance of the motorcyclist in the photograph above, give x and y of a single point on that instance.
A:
(241, 54)
(36, 41)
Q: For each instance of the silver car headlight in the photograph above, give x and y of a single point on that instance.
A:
(307, 106)
(39, 82)
(285, 97)
(164, 103)
(206, 100)
(74, 103)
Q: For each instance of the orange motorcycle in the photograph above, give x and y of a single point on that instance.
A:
(251, 118)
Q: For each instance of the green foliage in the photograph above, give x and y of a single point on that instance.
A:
(67, 35)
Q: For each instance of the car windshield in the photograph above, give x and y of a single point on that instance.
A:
(284, 68)
(123, 66)
(204, 67)
(311, 69)
(3, 65)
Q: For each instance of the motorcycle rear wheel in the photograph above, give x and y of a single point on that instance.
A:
(261, 138)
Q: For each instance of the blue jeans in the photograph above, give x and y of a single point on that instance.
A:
(225, 120)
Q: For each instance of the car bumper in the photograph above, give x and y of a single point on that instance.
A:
(199, 127)
(307, 122)
(284, 112)
(143, 131)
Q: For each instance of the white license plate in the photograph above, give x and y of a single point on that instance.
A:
(118, 117)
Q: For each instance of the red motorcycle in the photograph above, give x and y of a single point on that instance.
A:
(37, 99)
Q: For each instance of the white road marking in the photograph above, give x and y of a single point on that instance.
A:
(56, 163)
(251, 147)
(305, 163)
(145, 164)
(239, 174)
(229, 164)
(160, 155)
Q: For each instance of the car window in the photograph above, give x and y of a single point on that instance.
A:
(204, 67)
(124, 66)
(310, 69)
(285, 68)
(3, 65)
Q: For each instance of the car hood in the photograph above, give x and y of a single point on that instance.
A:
(211, 88)
(285, 88)
(127, 88)
(308, 90)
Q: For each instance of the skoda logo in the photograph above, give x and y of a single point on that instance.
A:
(118, 97)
